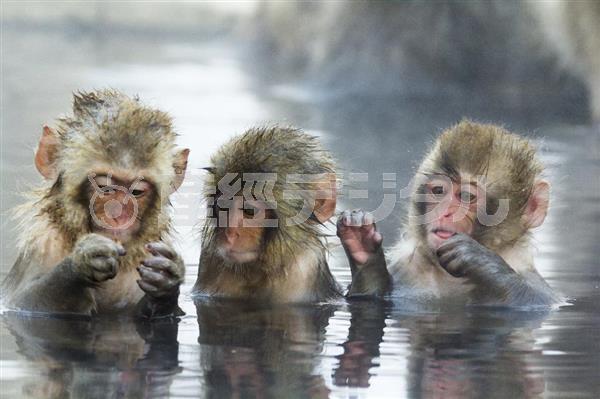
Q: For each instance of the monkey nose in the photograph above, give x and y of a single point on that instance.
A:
(448, 214)
(113, 209)
(231, 234)
(450, 210)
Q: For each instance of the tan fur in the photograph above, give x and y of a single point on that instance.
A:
(292, 263)
(296, 285)
(107, 132)
(507, 163)
(510, 168)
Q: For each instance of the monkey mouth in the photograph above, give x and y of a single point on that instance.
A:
(443, 233)
(237, 257)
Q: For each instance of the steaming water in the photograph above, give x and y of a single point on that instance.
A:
(364, 349)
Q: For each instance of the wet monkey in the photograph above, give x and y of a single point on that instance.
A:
(92, 238)
(265, 240)
(476, 196)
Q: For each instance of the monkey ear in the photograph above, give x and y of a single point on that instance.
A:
(179, 165)
(47, 153)
(537, 205)
(326, 200)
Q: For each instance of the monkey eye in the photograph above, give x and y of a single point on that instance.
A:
(139, 188)
(467, 197)
(437, 190)
(137, 193)
(250, 211)
(105, 189)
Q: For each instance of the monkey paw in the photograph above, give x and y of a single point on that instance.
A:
(359, 236)
(95, 257)
(162, 273)
(462, 256)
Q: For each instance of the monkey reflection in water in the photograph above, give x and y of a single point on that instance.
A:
(248, 350)
(482, 353)
(93, 238)
(97, 357)
(477, 194)
(449, 354)
(270, 192)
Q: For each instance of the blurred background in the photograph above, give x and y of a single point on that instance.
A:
(376, 81)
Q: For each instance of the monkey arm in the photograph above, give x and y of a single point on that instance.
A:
(371, 278)
(516, 289)
(494, 281)
(363, 246)
(67, 288)
(161, 275)
(62, 290)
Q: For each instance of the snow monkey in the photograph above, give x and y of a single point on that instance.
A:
(476, 196)
(269, 193)
(92, 238)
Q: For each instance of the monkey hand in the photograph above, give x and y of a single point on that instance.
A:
(462, 256)
(359, 236)
(362, 243)
(162, 273)
(495, 282)
(95, 258)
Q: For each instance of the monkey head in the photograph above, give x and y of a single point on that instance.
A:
(110, 167)
(479, 180)
(269, 190)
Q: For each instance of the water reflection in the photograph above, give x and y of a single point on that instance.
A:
(366, 349)
(253, 351)
(449, 353)
(361, 348)
(96, 358)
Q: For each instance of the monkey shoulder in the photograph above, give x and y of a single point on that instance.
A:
(308, 279)
(32, 263)
(39, 238)
(326, 286)
(520, 258)
(416, 276)
(399, 257)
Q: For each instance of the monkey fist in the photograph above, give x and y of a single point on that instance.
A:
(462, 256)
(95, 258)
(359, 236)
(161, 273)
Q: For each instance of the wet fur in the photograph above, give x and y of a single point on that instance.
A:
(107, 130)
(511, 168)
(292, 265)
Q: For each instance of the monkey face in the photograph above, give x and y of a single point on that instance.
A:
(450, 208)
(117, 203)
(240, 235)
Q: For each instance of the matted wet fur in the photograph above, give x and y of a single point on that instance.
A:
(107, 130)
(292, 262)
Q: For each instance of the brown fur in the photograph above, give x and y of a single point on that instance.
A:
(510, 170)
(107, 132)
(292, 258)
(506, 161)
(454, 250)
